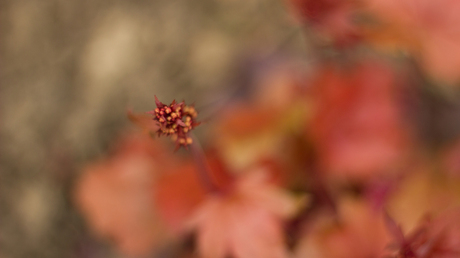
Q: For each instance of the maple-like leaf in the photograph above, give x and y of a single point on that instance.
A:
(246, 222)
(438, 238)
(114, 195)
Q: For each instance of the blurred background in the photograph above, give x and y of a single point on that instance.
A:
(312, 86)
(71, 70)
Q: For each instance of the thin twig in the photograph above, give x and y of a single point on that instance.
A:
(204, 171)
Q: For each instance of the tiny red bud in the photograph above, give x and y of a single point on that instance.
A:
(171, 121)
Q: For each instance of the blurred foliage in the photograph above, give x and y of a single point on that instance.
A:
(327, 126)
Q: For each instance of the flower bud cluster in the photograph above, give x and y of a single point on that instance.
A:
(175, 120)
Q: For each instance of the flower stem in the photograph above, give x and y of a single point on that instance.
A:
(204, 171)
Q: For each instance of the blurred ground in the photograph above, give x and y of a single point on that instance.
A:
(70, 70)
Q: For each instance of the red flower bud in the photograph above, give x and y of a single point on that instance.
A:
(175, 120)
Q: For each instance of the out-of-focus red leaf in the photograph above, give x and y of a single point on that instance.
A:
(245, 120)
(446, 228)
(251, 128)
(246, 221)
(333, 19)
(427, 29)
(394, 229)
(421, 193)
(358, 232)
(432, 238)
(114, 195)
(177, 194)
(357, 126)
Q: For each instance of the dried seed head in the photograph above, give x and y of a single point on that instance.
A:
(175, 120)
